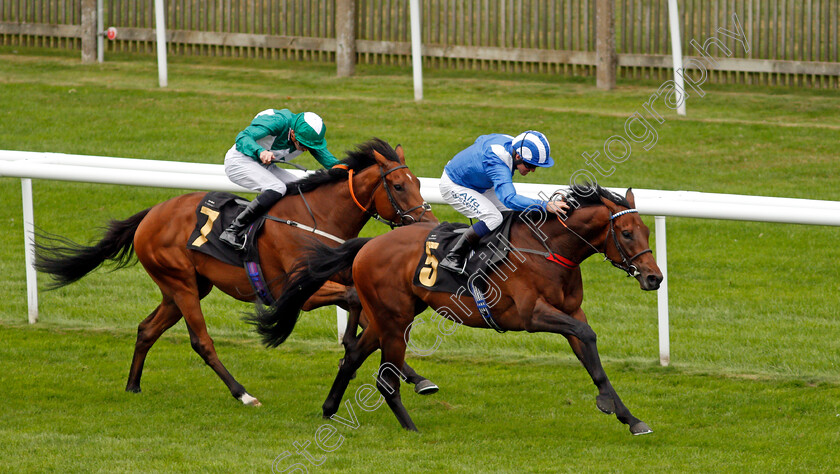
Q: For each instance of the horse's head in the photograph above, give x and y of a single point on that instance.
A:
(398, 199)
(627, 243)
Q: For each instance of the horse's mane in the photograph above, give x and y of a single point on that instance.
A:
(588, 195)
(591, 194)
(357, 160)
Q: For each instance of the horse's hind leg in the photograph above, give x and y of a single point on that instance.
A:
(354, 355)
(202, 344)
(148, 332)
(388, 380)
(422, 385)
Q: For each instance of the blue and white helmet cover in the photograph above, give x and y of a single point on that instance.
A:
(533, 147)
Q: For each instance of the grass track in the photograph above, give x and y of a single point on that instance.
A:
(754, 336)
(183, 422)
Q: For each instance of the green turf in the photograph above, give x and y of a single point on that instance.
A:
(754, 307)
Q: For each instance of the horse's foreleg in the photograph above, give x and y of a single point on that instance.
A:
(583, 341)
(148, 332)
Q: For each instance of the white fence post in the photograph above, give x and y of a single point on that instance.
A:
(676, 52)
(29, 250)
(341, 322)
(160, 34)
(416, 52)
(662, 295)
(100, 27)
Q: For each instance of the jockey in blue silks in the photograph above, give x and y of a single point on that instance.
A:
(478, 183)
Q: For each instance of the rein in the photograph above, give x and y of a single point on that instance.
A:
(305, 227)
(626, 263)
(403, 215)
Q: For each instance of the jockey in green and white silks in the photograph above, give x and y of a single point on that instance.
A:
(478, 183)
(273, 135)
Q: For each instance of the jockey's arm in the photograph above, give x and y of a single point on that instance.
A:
(324, 157)
(262, 126)
(503, 186)
(516, 202)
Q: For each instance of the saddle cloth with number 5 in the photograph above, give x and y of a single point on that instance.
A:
(489, 254)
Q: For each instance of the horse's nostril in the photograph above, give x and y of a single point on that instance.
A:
(654, 280)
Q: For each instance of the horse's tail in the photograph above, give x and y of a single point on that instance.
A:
(318, 263)
(68, 261)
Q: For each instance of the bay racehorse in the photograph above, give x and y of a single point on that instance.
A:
(374, 181)
(539, 290)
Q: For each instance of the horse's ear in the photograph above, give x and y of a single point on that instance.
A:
(613, 207)
(400, 154)
(381, 160)
(630, 198)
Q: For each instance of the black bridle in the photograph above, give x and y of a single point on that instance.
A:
(626, 262)
(405, 216)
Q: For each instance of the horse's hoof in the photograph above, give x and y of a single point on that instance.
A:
(605, 404)
(249, 401)
(426, 387)
(132, 389)
(328, 412)
(640, 428)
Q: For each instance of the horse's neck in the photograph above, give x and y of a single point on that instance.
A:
(587, 224)
(590, 224)
(331, 206)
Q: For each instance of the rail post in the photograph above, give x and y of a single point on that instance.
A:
(29, 250)
(662, 294)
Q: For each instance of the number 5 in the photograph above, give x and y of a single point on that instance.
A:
(428, 275)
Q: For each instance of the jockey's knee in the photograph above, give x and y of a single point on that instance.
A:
(492, 221)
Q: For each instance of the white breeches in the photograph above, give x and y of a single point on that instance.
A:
(473, 204)
(246, 172)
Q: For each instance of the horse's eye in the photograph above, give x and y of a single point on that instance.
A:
(398, 187)
(626, 234)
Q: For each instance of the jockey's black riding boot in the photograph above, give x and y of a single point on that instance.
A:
(456, 259)
(235, 234)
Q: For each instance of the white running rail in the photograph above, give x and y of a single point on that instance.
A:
(180, 175)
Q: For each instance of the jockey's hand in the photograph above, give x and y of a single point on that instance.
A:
(557, 207)
(266, 157)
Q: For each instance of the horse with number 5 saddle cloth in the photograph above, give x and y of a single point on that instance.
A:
(536, 287)
(175, 242)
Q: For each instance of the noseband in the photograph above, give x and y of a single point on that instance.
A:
(626, 263)
(405, 216)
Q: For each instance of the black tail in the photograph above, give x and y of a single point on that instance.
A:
(68, 261)
(318, 263)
